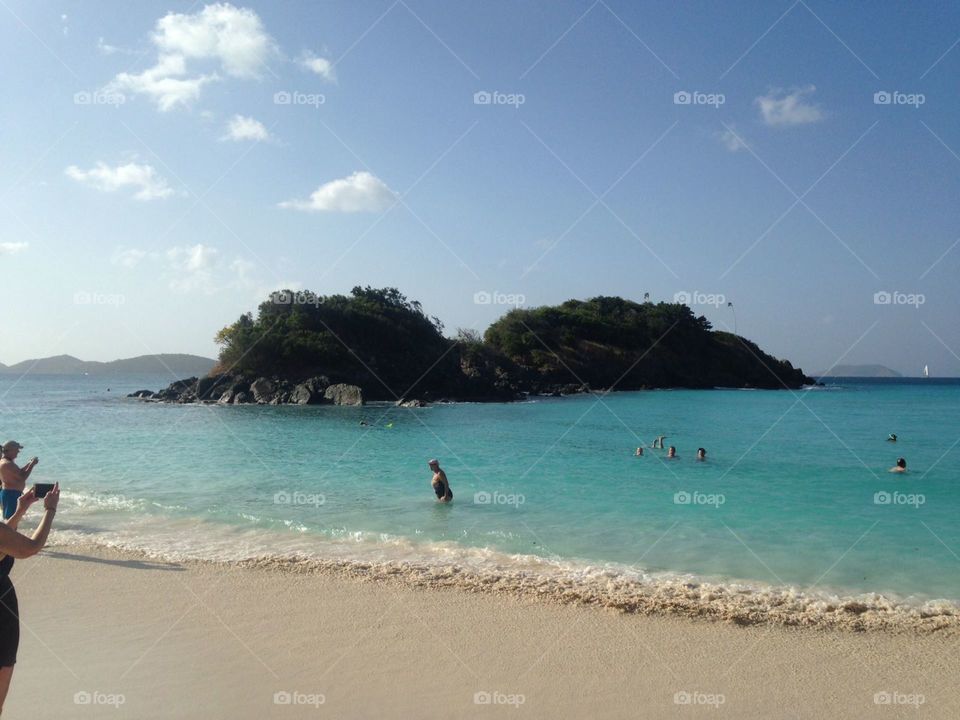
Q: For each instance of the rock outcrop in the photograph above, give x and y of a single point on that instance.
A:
(344, 394)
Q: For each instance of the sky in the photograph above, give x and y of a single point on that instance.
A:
(164, 166)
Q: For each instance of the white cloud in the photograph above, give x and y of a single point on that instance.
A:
(732, 141)
(781, 108)
(232, 37)
(128, 258)
(143, 178)
(360, 192)
(321, 66)
(192, 267)
(242, 128)
(13, 248)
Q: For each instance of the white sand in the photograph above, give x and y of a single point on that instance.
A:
(212, 641)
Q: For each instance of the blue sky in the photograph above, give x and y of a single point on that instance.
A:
(163, 166)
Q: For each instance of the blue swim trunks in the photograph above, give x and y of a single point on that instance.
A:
(8, 498)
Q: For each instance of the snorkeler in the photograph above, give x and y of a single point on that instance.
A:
(441, 485)
(901, 466)
(701, 454)
(672, 453)
(892, 437)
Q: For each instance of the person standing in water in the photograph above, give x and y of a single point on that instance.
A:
(14, 478)
(441, 486)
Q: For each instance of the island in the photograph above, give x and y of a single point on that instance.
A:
(377, 345)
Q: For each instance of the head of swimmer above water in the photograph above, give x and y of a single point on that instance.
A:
(672, 452)
(701, 454)
(901, 463)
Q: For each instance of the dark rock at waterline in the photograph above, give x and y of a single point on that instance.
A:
(142, 394)
(344, 394)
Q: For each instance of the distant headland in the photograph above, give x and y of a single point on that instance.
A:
(375, 344)
(177, 364)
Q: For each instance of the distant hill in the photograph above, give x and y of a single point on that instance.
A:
(879, 371)
(179, 364)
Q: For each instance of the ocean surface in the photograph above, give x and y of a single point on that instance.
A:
(795, 497)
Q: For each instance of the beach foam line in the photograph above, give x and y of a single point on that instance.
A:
(447, 565)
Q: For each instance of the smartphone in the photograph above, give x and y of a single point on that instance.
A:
(42, 489)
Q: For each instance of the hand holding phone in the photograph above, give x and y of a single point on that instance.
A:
(41, 489)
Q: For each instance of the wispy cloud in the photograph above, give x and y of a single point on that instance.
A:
(241, 128)
(731, 140)
(359, 192)
(13, 248)
(192, 267)
(780, 108)
(128, 257)
(232, 38)
(142, 178)
(321, 66)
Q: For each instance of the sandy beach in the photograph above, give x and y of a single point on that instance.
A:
(111, 635)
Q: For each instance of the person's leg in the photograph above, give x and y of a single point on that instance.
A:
(6, 673)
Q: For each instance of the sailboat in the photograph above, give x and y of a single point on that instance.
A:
(926, 371)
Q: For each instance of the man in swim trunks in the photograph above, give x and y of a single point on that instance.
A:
(440, 484)
(14, 478)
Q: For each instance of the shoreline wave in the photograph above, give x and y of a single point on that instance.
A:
(447, 565)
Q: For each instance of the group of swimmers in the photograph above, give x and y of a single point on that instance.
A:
(657, 444)
(901, 465)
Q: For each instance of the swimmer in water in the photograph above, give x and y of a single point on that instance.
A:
(892, 437)
(672, 453)
(639, 452)
(701, 454)
(658, 442)
(441, 485)
(901, 466)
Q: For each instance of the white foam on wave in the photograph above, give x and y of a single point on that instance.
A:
(293, 547)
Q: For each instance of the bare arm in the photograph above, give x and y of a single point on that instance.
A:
(23, 504)
(20, 546)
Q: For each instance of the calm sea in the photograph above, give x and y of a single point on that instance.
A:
(795, 492)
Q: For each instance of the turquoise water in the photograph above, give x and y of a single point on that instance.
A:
(786, 498)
